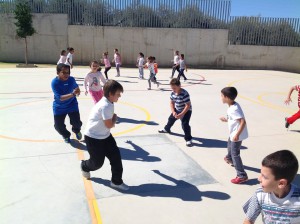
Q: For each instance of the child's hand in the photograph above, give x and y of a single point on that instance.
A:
(174, 114)
(179, 116)
(287, 101)
(223, 119)
(236, 138)
(114, 118)
(76, 91)
(86, 93)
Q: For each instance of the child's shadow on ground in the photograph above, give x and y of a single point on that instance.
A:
(206, 142)
(181, 190)
(133, 121)
(138, 154)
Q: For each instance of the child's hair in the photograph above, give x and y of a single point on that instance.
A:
(141, 54)
(150, 58)
(153, 58)
(61, 66)
(182, 55)
(96, 62)
(230, 92)
(175, 82)
(71, 49)
(105, 53)
(283, 163)
(62, 52)
(177, 52)
(68, 49)
(116, 50)
(111, 87)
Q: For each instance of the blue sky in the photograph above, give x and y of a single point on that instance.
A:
(266, 8)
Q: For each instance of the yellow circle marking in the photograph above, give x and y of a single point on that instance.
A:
(114, 134)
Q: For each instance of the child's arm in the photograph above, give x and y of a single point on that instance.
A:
(186, 109)
(224, 119)
(70, 62)
(288, 99)
(246, 221)
(242, 125)
(185, 68)
(110, 123)
(103, 80)
(85, 84)
(75, 92)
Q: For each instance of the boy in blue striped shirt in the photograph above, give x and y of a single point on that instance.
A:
(181, 108)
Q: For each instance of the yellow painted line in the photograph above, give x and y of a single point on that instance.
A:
(18, 104)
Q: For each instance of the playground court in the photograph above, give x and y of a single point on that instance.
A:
(170, 183)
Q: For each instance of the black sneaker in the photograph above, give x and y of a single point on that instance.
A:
(286, 123)
(163, 131)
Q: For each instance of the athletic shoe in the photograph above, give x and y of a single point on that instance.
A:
(117, 76)
(239, 180)
(79, 136)
(86, 175)
(121, 187)
(189, 143)
(287, 125)
(67, 140)
(229, 161)
(149, 88)
(163, 131)
(157, 84)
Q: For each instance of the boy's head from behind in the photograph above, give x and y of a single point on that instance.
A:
(175, 85)
(278, 170)
(141, 54)
(112, 90)
(71, 50)
(63, 71)
(229, 94)
(63, 53)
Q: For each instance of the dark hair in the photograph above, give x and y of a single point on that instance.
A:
(62, 52)
(283, 163)
(68, 48)
(150, 58)
(141, 54)
(177, 52)
(182, 55)
(230, 92)
(153, 58)
(116, 50)
(71, 49)
(96, 62)
(61, 66)
(175, 82)
(111, 87)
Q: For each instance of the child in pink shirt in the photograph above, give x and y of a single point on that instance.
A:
(106, 63)
(92, 79)
(118, 61)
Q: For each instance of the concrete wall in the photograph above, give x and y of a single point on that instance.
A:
(43, 47)
(204, 48)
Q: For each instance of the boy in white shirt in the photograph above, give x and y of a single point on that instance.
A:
(277, 199)
(238, 132)
(99, 141)
(175, 63)
(69, 60)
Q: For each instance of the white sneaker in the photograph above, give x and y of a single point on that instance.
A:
(122, 187)
(86, 175)
(189, 143)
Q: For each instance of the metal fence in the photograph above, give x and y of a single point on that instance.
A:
(204, 14)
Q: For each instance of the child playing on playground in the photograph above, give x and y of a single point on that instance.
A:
(69, 60)
(99, 141)
(92, 79)
(181, 108)
(140, 65)
(63, 57)
(175, 63)
(277, 200)
(106, 62)
(238, 132)
(182, 67)
(118, 61)
(296, 116)
(150, 66)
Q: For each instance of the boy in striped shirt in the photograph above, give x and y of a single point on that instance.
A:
(181, 108)
(296, 116)
(278, 200)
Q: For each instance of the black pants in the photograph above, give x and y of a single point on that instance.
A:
(175, 69)
(98, 150)
(184, 124)
(60, 127)
(181, 73)
(106, 70)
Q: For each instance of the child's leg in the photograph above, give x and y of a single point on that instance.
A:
(186, 126)
(173, 71)
(60, 127)
(75, 121)
(293, 118)
(94, 96)
(96, 149)
(179, 74)
(118, 69)
(236, 159)
(114, 156)
(149, 81)
(182, 74)
(171, 121)
(228, 156)
(105, 72)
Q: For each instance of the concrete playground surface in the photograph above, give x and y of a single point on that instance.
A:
(170, 183)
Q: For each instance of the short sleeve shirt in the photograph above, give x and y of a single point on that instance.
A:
(234, 113)
(274, 210)
(181, 100)
(95, 128)
(70, 58)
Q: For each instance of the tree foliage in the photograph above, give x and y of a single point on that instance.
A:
(24, 20)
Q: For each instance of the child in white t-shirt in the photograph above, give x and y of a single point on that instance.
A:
(175, 63)
(118, 61)
(63, 57)
(140, 65)
(99, 141)
(150, 66)
(69, 60)
(92, 80)
(277, 200)
(238, 132)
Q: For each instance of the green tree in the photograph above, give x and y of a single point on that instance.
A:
(24, 23)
